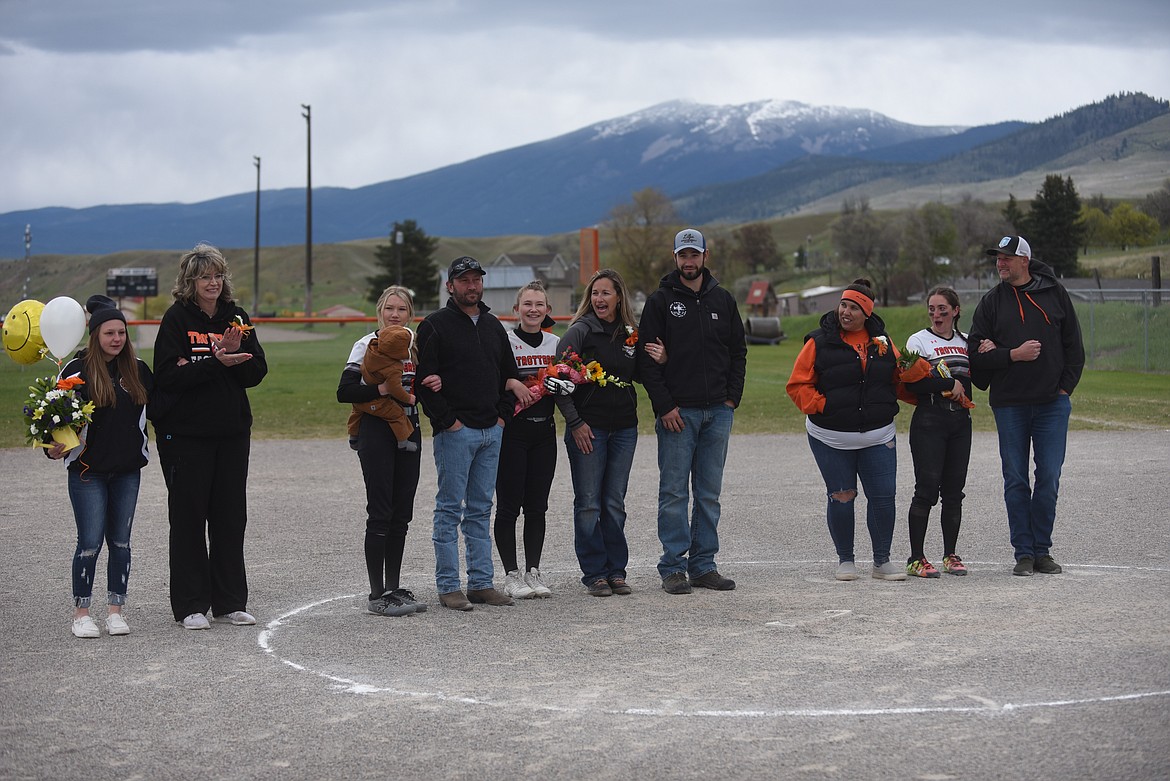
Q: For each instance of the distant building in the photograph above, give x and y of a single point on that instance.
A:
(761, 299)
(511, 271)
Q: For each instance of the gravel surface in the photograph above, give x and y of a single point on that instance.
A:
(792, 675)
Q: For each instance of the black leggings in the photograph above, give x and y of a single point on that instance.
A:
(940, 441)
(391, 478)
(528, 461)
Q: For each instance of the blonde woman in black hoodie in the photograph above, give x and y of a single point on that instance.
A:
(206, 356)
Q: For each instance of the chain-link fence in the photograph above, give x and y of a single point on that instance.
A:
(1124, 329)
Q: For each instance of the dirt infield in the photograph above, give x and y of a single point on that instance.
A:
(792, 675)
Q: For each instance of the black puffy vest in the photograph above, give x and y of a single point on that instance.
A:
(854, 400)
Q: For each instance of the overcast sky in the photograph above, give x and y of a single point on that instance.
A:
(130, 101)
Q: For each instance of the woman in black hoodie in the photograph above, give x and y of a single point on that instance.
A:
(206, 356)
(601, 431)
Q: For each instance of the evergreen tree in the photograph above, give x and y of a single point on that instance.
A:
(416, 254)
(1053, 226)
(1014, 214)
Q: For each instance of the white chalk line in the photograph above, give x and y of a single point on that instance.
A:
(350, 686)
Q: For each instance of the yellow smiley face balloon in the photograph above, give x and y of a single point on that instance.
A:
(22, 332)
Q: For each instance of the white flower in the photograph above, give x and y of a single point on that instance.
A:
(57, 419)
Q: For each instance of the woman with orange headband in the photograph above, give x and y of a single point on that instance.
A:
(846, 380)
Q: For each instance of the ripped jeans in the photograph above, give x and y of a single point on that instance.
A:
(877, 466)
(103, 506)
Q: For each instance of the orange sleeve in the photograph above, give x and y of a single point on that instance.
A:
(802, 383)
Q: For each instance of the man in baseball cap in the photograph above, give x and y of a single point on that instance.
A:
(689, 238)
(463, 265)
(1013, 246)
(1028, 353)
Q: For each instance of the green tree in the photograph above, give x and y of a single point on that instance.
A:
(868, 243)
(1131, 227)
(416, 254)
(642, 232)
(1098, 230)
(976, 224)
(754, 247)
(928, 241)
(1157, 204)
(1053, 226)
(1014, 214)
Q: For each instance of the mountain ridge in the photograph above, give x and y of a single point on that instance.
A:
(720, 163)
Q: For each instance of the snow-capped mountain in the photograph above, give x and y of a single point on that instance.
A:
(551, 186)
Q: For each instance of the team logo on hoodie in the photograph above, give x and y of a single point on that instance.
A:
(678, 309)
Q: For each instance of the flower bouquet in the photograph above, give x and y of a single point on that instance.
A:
(55, 412)
(569, 368)
(910, 357)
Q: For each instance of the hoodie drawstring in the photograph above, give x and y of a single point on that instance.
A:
(1020, 304)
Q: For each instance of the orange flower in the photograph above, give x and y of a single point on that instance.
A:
(69, 383)
(632, 339)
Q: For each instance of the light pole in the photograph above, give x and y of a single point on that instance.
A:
(398, 247)
(308, 115)
(256, 246)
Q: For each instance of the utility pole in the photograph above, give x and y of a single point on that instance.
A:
(256, 248)
(308, 115)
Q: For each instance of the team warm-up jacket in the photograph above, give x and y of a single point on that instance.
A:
(1010, 316)
(706, 351)
(114, 441)
(474, 361)
(203, 398)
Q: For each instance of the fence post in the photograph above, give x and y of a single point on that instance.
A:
(1156, 278)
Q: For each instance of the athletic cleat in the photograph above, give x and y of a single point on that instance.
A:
(954, 565)
(921, 568)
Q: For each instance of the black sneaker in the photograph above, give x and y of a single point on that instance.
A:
(407, 598)
(600, 588)
(713, 580)
(389, 605)
(1045, 565)
(1023, 566)
(676, 583)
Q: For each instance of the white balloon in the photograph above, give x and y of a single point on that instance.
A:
(62, 326)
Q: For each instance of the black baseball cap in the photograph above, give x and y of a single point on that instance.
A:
(461, 266)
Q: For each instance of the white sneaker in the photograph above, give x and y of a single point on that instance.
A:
(515, 587)
(846, 570)
(86, 627)
(196, 621)
(116, 625)
(238, 618)
(889, 571)
(536, 583)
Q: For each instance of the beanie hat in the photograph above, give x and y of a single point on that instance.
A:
(102, 309)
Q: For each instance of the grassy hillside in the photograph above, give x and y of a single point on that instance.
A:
(297, 399)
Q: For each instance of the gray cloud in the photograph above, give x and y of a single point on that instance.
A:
(150, 25)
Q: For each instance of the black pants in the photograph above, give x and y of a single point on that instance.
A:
(391, 477)
(940, 441)
(207, 500)
(528, 461)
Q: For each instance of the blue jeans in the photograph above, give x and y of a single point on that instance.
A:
(1031, 510)
(877, 466)
(600, 479)
(103, 506)
(691, 459)
(466, 461)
